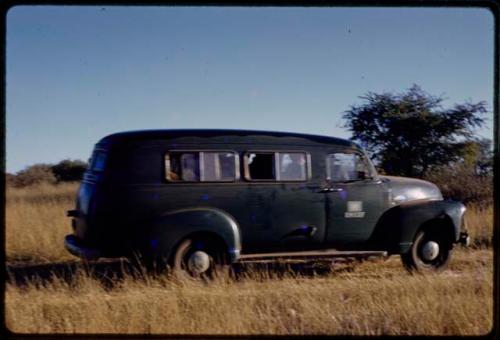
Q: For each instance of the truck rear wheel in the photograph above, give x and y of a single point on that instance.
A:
(430, 252)
(199, 258)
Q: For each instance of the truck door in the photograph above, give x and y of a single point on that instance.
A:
(284, 212)
(354, 198)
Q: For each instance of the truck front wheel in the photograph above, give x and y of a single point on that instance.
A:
(430, 252)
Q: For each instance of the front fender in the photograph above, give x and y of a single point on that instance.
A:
(170, 228)
(398, 226)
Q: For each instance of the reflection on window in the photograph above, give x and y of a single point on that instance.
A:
(346, 167)
(261, 166)
(292, 166)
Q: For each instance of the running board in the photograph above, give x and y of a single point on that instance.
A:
(308, 255)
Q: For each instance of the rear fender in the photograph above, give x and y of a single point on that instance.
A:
(170, 228)
(398, 226)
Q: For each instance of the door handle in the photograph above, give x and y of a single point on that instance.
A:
(324, 190)
(330, 189)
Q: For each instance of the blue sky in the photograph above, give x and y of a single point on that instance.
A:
(76, 74)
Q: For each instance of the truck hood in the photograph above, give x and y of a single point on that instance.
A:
(405, 189)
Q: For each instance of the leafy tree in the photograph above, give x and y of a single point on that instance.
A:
(483, 160)
(69, 170)
(409, 133)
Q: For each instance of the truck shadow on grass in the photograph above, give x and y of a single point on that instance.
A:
(112, 272)
(105, 271)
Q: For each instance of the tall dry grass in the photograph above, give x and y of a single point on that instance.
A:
(373, 299)
(370, 298)
(479, 223)
(36, 222)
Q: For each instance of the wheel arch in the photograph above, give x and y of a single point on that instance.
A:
(397, 227)
(170, 229)
(442, 224)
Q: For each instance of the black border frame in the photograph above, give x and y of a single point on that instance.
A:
(492, 5)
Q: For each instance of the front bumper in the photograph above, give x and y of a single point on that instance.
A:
(464, 239)
(76, 247)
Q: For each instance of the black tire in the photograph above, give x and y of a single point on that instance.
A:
(415, 261)
(218, 263)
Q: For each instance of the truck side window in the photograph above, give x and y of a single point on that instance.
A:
(261, 166)
(343, 167)
(187, 166)
(204, 166)
(292, 166)
(218, 166)
(184, 167)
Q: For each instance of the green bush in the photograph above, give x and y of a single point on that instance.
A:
(69, 170)
(464, 184)
(65, 171)
(10, 179)
(34, 174)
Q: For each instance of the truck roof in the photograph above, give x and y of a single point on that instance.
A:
(168, 134)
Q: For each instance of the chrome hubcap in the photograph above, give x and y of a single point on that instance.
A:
(198, 262)
(430, 250)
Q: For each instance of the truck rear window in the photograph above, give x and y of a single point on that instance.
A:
(98, 161)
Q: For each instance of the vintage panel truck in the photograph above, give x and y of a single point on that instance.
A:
(196, 199)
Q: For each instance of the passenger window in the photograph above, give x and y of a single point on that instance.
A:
(343, 167)
(218, 166)
(261, 166)
(200, 166)
(277, 166)
(292, 166)
(184, 167)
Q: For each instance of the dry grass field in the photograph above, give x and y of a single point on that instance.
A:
(49, 291)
